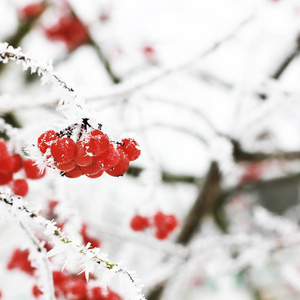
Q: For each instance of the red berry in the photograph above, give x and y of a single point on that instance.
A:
(3, 149)
(18, 162)
(164, 224)
(45, 140)
(63, 150)
(66, 167)
(109, 159)
(19, 260)
(122, 166)
(91, 170)
(36, 291)
(96, 142)
(32, 171)
(19, 187)
(81, 157)
(75, 173)
(88, 239)
(7, 164)
(139, 223)
(5, 178)
(68, 30)
(131, 148)
(32, 11)
(95, 175)
(0, 294)
(77, 289)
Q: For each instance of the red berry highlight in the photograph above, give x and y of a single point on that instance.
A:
(139, 223)
(19, 187)
(63, 150)
(45, 140)
(109, 159)
(96, 142)
(122, 166)
(32, 171)
(130, 148)
(81, 157)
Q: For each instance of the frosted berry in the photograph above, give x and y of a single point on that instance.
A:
(36, 292)
(139, 223)
(130, 148)
(7, 164)
(95, 175)
(3, 149)
(91, 170)
(109, 159)
(75, 173)
(96, 142)
(81, 157)
(68, 30)
(17, 162)
(66, 167)
(164, 224)
(19, 187)
(19, 260)
(45, 140)
(63, 150)
(32, 171)
(5, 178)
(122, 166)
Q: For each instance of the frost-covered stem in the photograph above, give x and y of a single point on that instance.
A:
(48, 286)
(7, 55)
(125, 89)
(64, 243)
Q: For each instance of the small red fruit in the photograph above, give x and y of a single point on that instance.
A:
(63, 150)
(96, 142)
(18, 162)
(3, 149)
(45, 140)
(32, 11)
(91, 170)
(36, 292)
(109, 159)
(139, 223)
(81, 157)
(7, 164)
(95, 175)
(32, 171)
(122, 166)
(19, 260)
(5, 178)
(19, 187)
(66, 167)
(130, 148)
(75, 173)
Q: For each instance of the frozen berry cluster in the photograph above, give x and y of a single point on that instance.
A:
(66, 286)
(88, 152)
(12, 163)
(162, 224)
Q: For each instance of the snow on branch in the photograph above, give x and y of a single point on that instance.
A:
(74, 253)
(67, 93)
(126, 89)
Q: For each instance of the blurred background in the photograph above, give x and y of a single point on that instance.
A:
(210, 91)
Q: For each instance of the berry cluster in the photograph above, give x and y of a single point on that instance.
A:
(11, 163)
(69, 30)
(67, 286)
(89, 153)
(162, 224)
